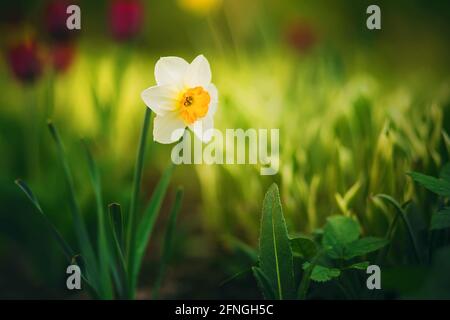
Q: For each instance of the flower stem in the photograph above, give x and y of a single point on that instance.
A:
(131, 232)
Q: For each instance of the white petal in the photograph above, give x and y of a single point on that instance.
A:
(203, 128)
(168, 128)
(212, 90)
(161, 99)
(170, 70)
(213, 94)
(198, 73)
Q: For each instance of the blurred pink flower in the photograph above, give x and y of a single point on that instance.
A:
(125, 18)
(26, 61)
(62, 56)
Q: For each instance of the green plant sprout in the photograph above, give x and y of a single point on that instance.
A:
(111, 270)
(287, 265)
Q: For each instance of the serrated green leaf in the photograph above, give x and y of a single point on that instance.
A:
(321, 273)
(263, 283)
(339, 231)
(275, 254)
(363, 246)
(439, 186)
(440, 219)
(359, 266)
(303, 247)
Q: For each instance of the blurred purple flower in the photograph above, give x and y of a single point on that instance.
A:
(26, 61)
(125, 18)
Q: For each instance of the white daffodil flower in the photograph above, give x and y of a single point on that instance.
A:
(183, 97)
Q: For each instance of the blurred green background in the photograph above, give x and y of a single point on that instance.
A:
(356, 109)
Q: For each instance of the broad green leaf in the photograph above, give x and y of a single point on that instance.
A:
(168, 242)
(339, 231)
(363, 246)
(359, 266)
(275, 254)
(439, 186)
(441, 219)
(321, 273)
(87, 250)
(146, 224)
(303, 247)
(263, 283)
(67, 250)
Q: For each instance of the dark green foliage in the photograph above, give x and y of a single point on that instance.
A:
(319, 262)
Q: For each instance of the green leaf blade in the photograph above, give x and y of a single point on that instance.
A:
(147, 222)
(263, 283)
(364, 246)
(276, 259)
(168, 242)
(438, 186)
(104, 250)
(303, 247)
(322, 273)
(338, 232)
(67, 250)
(79, 225)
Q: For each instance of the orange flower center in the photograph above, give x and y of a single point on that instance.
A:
(194, 104)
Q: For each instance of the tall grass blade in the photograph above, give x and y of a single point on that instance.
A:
(168, 242)
(116, 224)
(402, 214)
(134, 203)
(263, 283)
(103, 245)
(80, 227)
(148, 221)
(67, 250)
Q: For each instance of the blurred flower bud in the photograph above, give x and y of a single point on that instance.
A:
(55, 21)
(62, 56)
(125, 19)
(25, 61)
(301, 36)
(201, 7)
